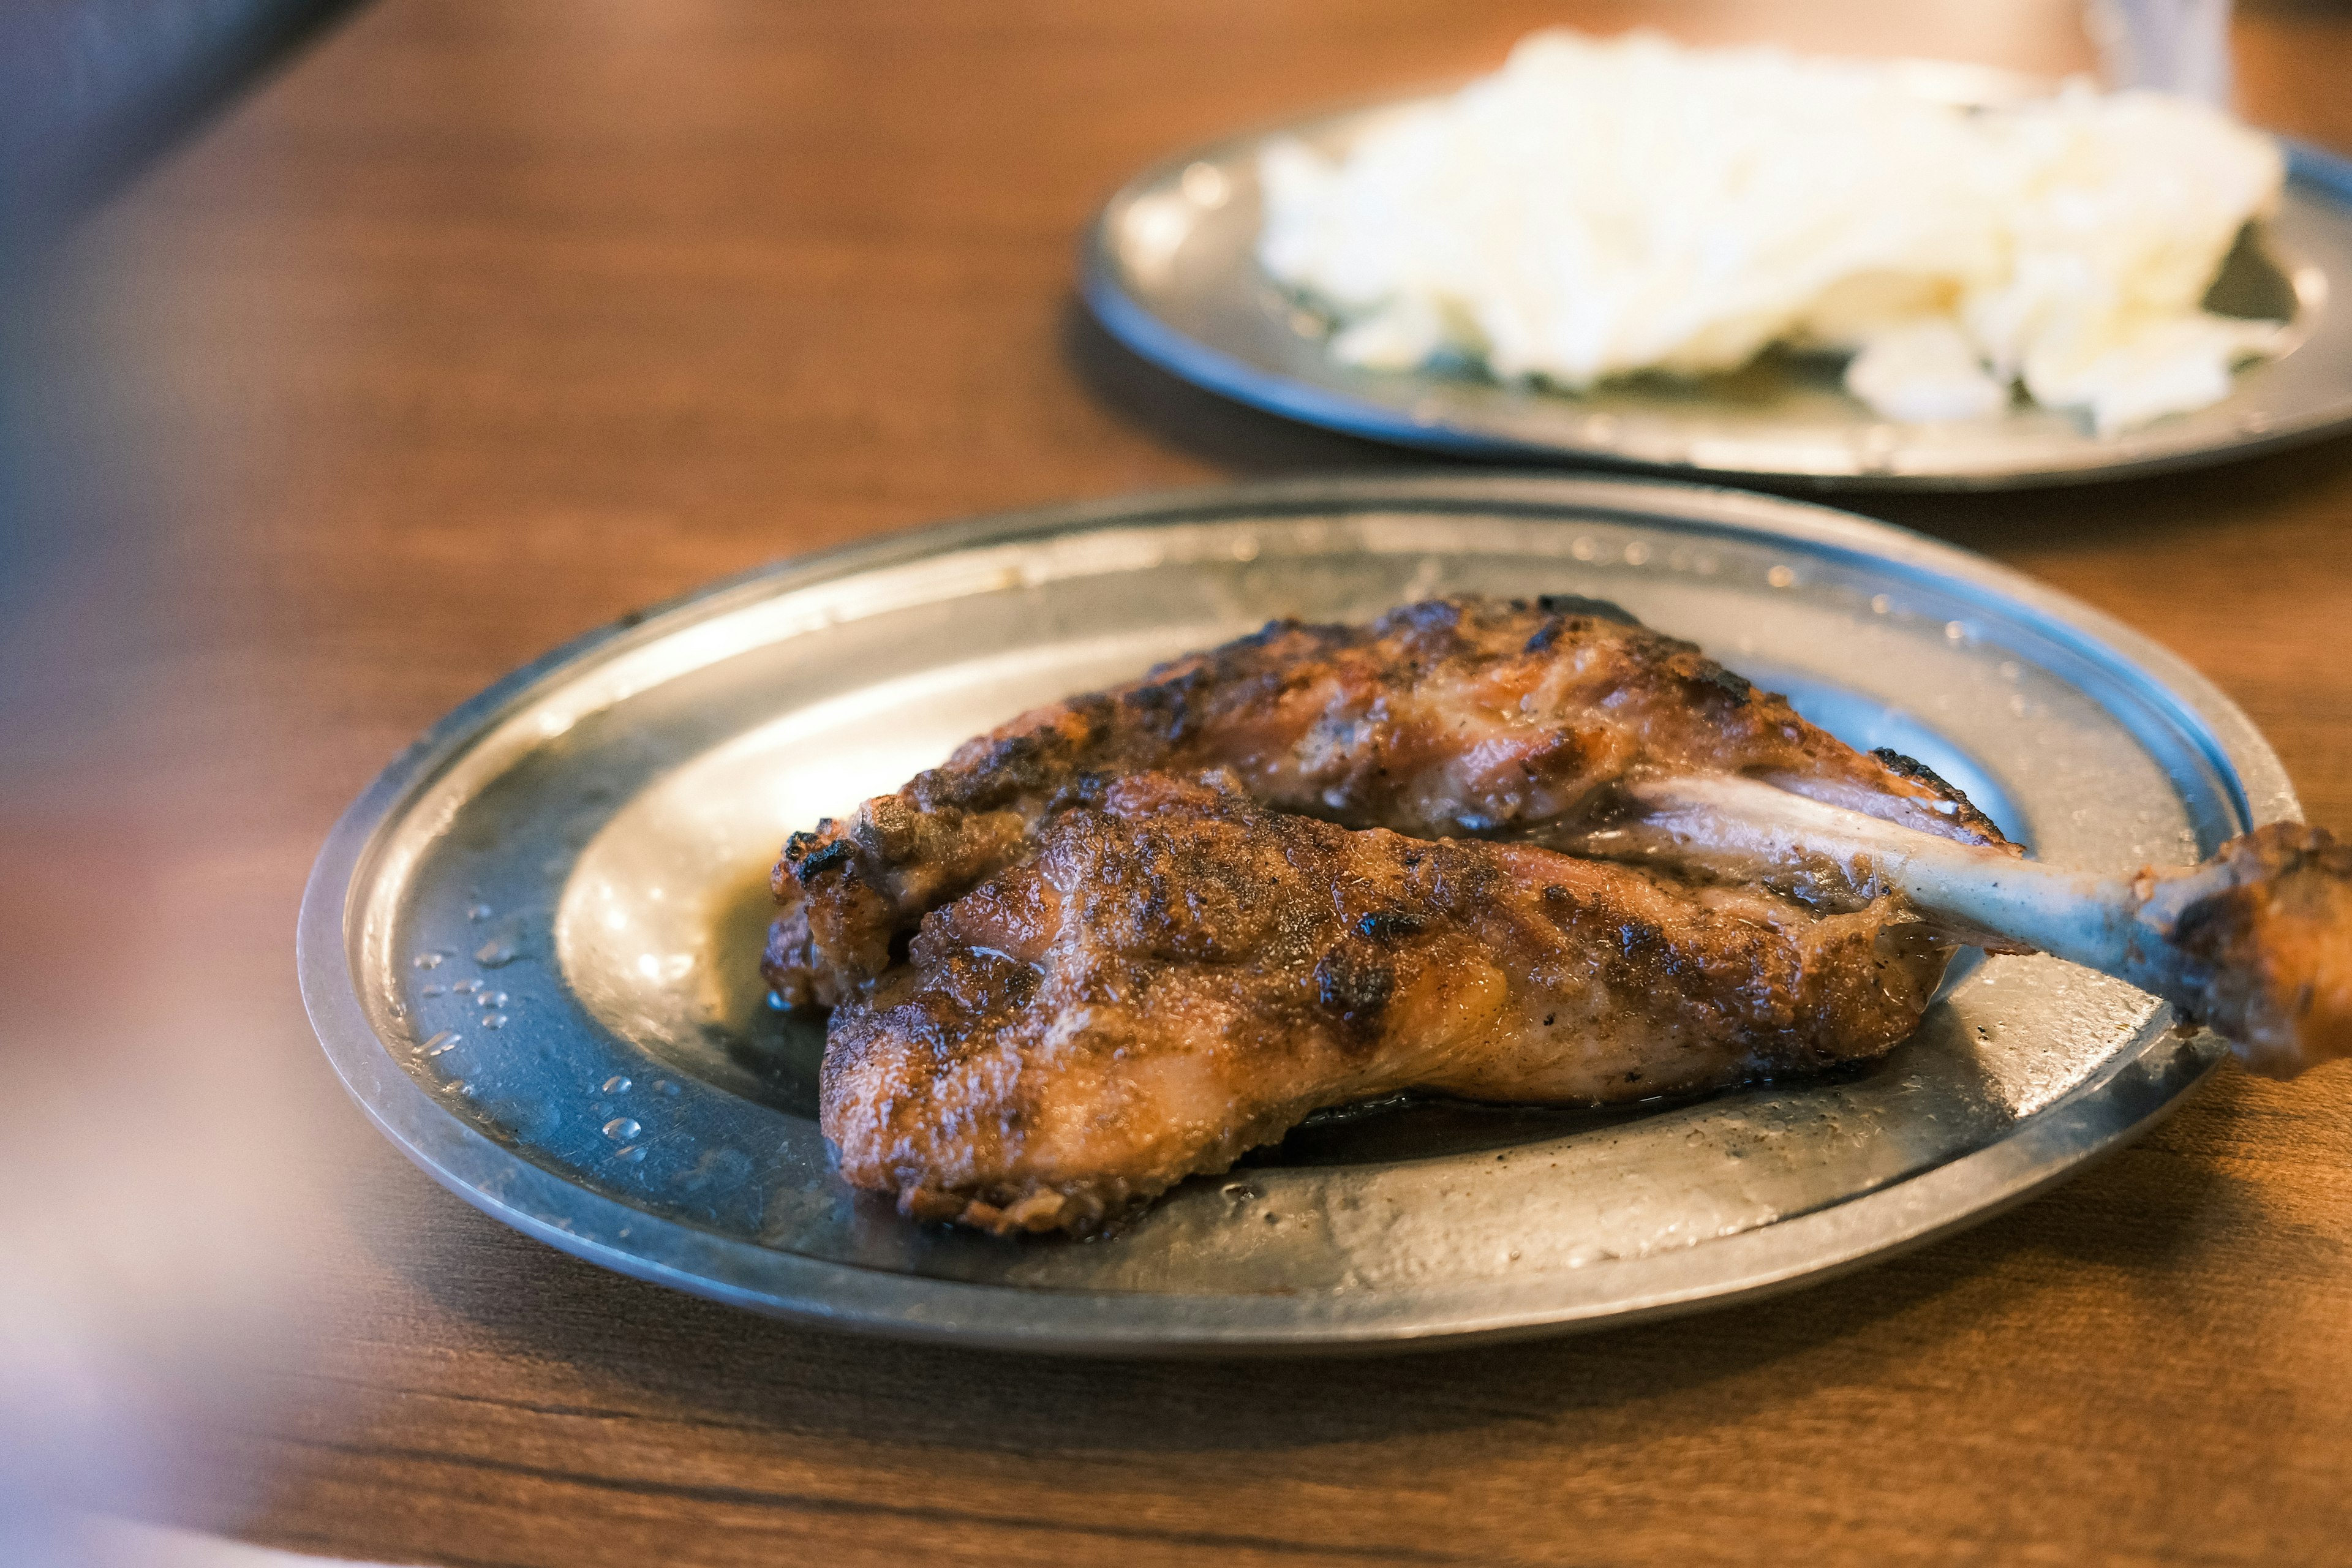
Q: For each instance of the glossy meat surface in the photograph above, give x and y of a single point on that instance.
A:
(1177, 974)
(1459, 717)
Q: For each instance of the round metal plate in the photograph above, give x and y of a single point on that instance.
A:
(529, 947)
(1170, 268)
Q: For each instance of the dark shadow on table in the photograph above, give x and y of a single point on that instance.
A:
(1216, 429)
(2193, 500)
(1254, 444)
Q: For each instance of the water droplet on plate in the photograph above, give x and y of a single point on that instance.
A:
(447, 1040)
(632, 1153)
(621, 1129)
(495, 955)
(663, 1085)
(433, 991)
(494, 998)
(617, 1084)
(494, 1020)
(428, 960)
(479, 911)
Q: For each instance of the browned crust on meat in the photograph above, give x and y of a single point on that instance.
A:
(1452, 717)
(2276, 949)
(1976, 826)
(1178, 974)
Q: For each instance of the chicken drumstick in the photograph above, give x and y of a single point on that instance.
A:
(2255, 942)
(1178, 974)
(1453, 717)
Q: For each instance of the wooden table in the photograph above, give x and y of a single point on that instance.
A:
(483, 324)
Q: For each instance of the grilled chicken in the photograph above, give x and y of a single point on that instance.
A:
(1497, 850)
(1457, 717)
(2254, 943)
(1176, 974)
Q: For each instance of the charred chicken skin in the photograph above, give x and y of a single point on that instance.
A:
(1176, 975)
(1499, 849)
(1458, 717)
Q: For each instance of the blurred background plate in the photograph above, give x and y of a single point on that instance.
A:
(1170, 269)
(529, 948)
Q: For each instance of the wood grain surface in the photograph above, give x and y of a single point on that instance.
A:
(481, 325)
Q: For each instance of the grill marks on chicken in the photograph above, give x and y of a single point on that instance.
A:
(1453, 717)
(1125, 975)
(1177, 974)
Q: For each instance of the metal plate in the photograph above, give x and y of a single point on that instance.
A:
(1170, 269)
(529, 947)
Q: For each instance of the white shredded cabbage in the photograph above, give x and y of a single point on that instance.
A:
(1601, 208)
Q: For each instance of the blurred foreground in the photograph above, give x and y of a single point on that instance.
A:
(156, 1167)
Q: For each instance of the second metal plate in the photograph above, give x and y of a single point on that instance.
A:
(530, 947)
(1170, 269)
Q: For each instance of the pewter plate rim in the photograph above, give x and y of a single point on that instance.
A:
(1322, 396)
(2128, 1095)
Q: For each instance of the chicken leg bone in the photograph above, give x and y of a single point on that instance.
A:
(2255, 942)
